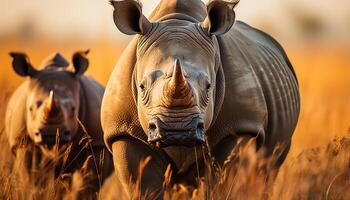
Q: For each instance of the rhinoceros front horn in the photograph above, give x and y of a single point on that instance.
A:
(52, 109)
(50, 104)
(178, 84)
(177, 92)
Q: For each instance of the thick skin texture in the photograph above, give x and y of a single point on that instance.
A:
(254, 94)
(27, 153)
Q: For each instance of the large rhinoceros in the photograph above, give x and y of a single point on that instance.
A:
(44, 112)
(193, 75)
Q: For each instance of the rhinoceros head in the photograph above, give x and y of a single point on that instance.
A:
(53, 97)
(174, 81)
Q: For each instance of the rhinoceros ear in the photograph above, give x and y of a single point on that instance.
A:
(21, 64)
(220, 16)
(128, 17)
(80, 62)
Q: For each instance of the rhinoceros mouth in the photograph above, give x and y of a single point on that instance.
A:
(166, 136)
(175, 138)
(50, 137)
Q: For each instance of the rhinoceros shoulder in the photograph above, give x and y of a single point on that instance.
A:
(15, 121)
(89, 112)
(119, 112)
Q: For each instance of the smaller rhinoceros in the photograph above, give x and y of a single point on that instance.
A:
(57, 107)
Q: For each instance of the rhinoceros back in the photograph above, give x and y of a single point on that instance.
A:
(262, 95)
(91, 99)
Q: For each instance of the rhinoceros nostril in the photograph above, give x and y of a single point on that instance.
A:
(38, 138)
(200, 125)
(66, 133)
(152, 127)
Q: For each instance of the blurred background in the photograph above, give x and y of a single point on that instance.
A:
(314, 33)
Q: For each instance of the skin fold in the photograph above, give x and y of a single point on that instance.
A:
(194, 77)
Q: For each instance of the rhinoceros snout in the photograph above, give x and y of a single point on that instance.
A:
(50, 137)
(172, 134)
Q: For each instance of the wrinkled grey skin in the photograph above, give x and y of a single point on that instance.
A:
(193, 75)
(44, 110)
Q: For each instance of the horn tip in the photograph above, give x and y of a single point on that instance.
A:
(177, 68)
(51, 95)
(50, 100)
(177, 63)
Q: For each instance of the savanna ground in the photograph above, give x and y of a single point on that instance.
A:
(317, 167)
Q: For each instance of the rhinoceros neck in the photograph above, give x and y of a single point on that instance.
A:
(194, 9)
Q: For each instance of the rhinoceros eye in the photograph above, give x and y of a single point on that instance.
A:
(204, 82)
(73, 109)
(38, 103)
(142, 86)
(145, 90)
(208, 86)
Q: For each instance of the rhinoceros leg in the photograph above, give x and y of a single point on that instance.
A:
(223, 149)
(23, 164)
(127, 155)
(27, 165)
(99, 167)
(225, 146)
(283, 154)
(106, 168)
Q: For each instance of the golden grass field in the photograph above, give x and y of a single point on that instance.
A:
(317, 167)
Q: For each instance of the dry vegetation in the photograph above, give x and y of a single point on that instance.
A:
(318, 166)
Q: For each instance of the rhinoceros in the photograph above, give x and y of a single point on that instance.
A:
(57, 107)
(194, 75)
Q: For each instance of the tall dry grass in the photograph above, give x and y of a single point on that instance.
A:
(316, 173)
(318, 164)
(47, 175)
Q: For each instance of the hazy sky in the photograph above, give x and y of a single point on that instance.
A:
(93, 18)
